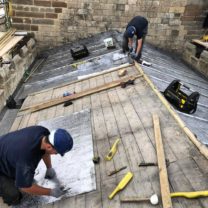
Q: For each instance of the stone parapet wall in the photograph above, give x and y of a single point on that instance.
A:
(200, 63)
(55, 22)
(11, 74)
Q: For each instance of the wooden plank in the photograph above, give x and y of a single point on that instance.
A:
(144, 110)
(24, 121)
(69, 109)
(6, 37)
(60, 100)
(97, 118)
(16, 123)
(86, 101)
(93, 199)
(204, 44)
(101, 146)
(123, 66)
(47, 113)
(164, 184)
(33, 119)
(65, 203)
(128, 140)
(43, 115)
(87, 78)
(179, 182)
(78, 102)
(144, 143)
(201, 162)
(119, 158)
(2, 35)
(101, 137)
(10, 44)
(58, 110)
(197, 179)
(28, 100)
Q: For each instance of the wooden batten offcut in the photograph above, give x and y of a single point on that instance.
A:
(164, 184)
(90, 91)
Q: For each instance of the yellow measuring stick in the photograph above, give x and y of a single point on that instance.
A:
(122, 184)
(190, 195)
(112, 150)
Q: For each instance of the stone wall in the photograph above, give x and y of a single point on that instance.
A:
(54, 22)
(11, 74)
(198, 61)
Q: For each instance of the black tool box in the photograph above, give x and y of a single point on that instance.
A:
(79, 52)
(179, 99)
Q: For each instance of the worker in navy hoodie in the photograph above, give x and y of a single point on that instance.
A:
(20, 153)
(137, 26)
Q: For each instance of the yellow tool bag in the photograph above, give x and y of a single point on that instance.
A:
(179, 99)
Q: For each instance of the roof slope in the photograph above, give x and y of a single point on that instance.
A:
(58, 68)
(127, 113)
(164, 70)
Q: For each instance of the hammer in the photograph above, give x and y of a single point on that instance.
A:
(153, 199)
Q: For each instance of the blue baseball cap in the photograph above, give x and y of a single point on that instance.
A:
(130, 31)
(61, 141)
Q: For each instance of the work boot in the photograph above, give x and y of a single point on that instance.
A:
(8, 191)
(11, 201)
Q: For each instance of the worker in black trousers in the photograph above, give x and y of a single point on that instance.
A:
(137, 26)
(20, 154)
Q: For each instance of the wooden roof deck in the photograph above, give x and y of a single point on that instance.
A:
(127, 113)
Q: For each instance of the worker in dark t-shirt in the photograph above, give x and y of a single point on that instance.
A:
(20, 154)
(137, 26)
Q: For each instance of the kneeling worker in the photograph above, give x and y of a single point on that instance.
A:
(137, 26)
(20, 153)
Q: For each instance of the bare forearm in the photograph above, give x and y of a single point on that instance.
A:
(47, 160)
(139, 46)
(37, 190)
(130, 44)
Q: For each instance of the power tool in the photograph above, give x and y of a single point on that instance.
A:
(179, 99)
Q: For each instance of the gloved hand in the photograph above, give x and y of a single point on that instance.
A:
(131, 49)
(57, 192)
(133, 55)
(50, 173)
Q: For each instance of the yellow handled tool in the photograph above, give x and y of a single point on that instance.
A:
(190, 195)
(112, 150)
(10, 8)
(122, 184)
